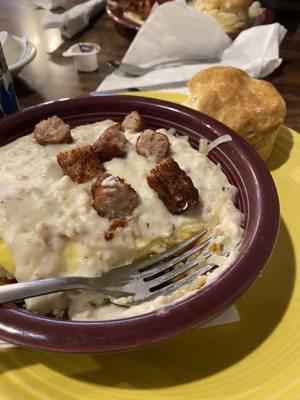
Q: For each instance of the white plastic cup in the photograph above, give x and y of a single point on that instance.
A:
(85, 56)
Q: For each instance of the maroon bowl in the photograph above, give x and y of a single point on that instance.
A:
(257, 199)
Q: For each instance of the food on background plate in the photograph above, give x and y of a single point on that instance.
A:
(136, 11)
(251, 107)
(63, 212)
(232, 15)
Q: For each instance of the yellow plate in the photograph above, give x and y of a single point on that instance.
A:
(257, 358)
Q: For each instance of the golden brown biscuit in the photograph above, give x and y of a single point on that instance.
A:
(253, 108)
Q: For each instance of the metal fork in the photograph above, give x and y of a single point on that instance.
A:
(134, 70)
(142, 281)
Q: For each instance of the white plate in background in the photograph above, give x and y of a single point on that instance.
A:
(18, 52)
(27, 56)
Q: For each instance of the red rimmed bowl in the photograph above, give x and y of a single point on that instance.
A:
(257, 199)
(117, 14)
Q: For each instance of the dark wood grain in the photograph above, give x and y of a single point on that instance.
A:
(52, 76)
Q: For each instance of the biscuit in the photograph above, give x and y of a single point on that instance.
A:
(253, 108)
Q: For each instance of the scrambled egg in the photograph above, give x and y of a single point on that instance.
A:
(6, 259)
(74, 254)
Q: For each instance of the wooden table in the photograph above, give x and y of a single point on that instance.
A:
(51, 76)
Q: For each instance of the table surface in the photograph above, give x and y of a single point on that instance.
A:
(51, 76)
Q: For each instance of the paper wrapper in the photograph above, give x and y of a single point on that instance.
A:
(75, 19)
(49, 4)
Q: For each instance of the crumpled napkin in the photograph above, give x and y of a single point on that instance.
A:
(14, 47)
(227, 317)
(75, 19)
(49, 4)
(174, 31)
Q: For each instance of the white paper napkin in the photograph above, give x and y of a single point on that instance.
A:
(171, 32)
(75, 19)
(227, 317)
(49, 4)
(175, 31)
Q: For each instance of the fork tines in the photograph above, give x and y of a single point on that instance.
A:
(168, 271)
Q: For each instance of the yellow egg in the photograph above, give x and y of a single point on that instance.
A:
(73, 255)
(146, 247)
(6, 259)
(186, 232)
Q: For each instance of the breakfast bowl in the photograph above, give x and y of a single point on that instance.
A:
(257, 200)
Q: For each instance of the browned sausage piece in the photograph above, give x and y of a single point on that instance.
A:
(112, 143)
(151, 143)
(113, 197)
(52, 131)
(134, 121)
(114, 226)
(173, 186)
(6, 281)
(80, 164)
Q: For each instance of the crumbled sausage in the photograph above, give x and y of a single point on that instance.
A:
(116, 224)
(7, 281)
(214, 247)
(151, 143)
(52, 131)
(113, 197)
(134, 121)
(112, 143)
(81, 164)
(173, 186)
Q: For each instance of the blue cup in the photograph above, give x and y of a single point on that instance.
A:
(8, 99)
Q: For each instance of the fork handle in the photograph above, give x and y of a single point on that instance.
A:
(23, 290)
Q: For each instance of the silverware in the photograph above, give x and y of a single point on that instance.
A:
(143, 281)
(134, 70)
(165, 85)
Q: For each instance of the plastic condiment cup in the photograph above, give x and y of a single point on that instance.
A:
(85, 56)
